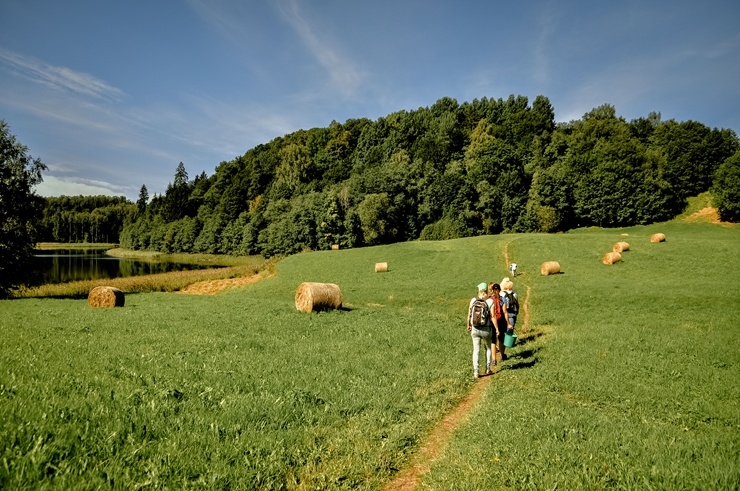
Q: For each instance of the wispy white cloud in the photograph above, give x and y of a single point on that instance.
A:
(149, 140)
(546, 28)
(223, 20)
(343, 72)
(637, 85)
(60, 78)
(234, 127)
(73, 186)
(729, 47)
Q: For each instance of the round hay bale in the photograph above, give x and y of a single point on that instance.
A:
(335, 247)
(657, 238)
(312, 297)
(105, 296)
(381, 267)
(621, 247)
(549, 267)
(611, 258)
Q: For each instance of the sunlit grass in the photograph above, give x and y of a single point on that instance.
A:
(186, 258)
(627, 376)
(237, 390)
(696, 203)
(51, 246)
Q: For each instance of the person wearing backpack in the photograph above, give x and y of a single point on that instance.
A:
(499, 320)
(480, 326)
(511, 301)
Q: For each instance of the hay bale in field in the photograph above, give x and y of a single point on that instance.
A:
(621, 247)
(312, 297)
(381, 267)
(657, 238)
(549, 267)
(105, 296)
(335, 247)
(611, 258)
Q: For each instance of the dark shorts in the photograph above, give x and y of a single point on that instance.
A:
(501, 329)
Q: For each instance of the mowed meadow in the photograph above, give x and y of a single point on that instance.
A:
(626, 376)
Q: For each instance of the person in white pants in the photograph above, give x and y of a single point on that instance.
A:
(482, 332)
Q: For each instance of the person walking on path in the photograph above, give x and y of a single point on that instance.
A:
(511, 301)
(480, 326)
(499, 320)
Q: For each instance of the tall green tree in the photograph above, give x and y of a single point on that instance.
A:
(374, 217)
(693, 153)
(726, 189)
(143, 199)
(176, 197)
(20, 210)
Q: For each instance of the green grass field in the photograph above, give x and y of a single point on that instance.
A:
(627, 376)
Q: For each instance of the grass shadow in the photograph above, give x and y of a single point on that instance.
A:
(523, 355)
(522, 359)
(522, 364)
(529, 337)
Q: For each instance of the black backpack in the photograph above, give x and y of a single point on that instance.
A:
(512, 304)
(479, 313)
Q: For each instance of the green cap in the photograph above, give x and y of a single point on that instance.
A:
(483, 286)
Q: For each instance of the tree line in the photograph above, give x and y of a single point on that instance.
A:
(450, 170)
(73, 219)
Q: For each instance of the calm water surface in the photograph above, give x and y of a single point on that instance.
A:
(63, 265)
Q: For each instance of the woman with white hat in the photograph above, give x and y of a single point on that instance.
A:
(480, 326)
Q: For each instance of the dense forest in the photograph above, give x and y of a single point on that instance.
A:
(450, 170)
(84, 219)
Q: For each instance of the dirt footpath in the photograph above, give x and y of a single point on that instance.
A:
(430, 450)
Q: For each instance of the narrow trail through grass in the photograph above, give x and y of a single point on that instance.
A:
(439, 437)
(435, 443)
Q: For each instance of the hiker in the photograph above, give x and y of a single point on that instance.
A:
(512, 268)
(480, 325)
(499, 320)
(511, 301)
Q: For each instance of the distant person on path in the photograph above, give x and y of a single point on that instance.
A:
(512, 268)
(511, 303)
(480, 325)
(499, 320)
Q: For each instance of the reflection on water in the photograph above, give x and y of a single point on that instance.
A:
(63, 265)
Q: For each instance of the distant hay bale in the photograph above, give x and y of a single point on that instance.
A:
(381, 267)
(335, 247)
(621, 247)
(312, 297)
(105, 296)
(549, 267)
(657, 238)
(611, 258)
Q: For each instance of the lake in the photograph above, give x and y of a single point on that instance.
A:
(63, 265)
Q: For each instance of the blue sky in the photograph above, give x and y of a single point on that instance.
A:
(113, 95)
